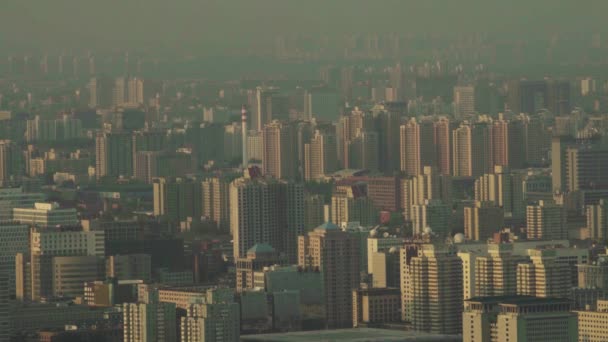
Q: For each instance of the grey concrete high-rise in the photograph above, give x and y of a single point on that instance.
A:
(266, 211)
(216, 201)
(431, 288)
(335, 254)
(279, 157)
(113, 155)
(482, 220)
(320, 156)
(546, 220)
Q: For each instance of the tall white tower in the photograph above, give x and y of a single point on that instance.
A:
(244, 133)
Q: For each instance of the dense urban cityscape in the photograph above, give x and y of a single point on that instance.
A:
(303, 186)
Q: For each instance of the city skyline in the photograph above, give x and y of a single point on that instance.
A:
(347, 170)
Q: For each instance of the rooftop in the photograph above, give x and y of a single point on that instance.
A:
(328, 226)
(352, 335)
(515, 300)
(261, 248)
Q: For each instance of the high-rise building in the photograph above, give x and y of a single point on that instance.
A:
(471, 150)
(320, 156)
(149, 140)
(384, 268)
(119, 92)
(526, 96)
(146, 165)
(314, 211)
(495, 274)
(559, 161)
(427, 186)
(531, 96)
(146, 148)
(518, 318)
(216, 319)
(546, 220)
(5, 306)
(431, 288)
(135, 91)
(255, 146)
(499, 135)
(266, 211)
(387, 125)
(433, 214)
(279, 158)
(464, 101)
(264, 111)
(177, 198)
(143, 322)
(216, 201)
(65, 128)
(468, 273)
(594, 275)
(322, 103)
(40, 130)
(244, 129)
(100, 92)
(113, 154)
(45, 245)
(482, 220)
(544, 275)
(417, 146)
(350, 203)
(538, 141)
(129, 267)
(15, 240)
(558, 97)
(517, 140)
(487, 96)
(410, 148)
(597, 219)
(383, 259)
(114, 229)
(304, 132)
(588, 86)
(335, 254)
(308, 282)
(348, 129)
(384, 192)
(233, 142)
(442, 143)
(504, 189)
(363, 151)
(69, 273)
(586, 167)
(10, 162)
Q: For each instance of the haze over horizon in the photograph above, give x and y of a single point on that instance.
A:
(154, 24)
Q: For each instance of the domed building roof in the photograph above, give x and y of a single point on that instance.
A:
(261, 248)
(328, 226)
(459, 238)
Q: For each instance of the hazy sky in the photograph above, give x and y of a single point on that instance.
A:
(107, 23)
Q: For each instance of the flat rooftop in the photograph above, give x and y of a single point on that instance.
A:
(355, 335)
(517, 300)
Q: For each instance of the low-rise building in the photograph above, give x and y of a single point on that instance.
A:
(518, 319)
(46, 215)
(376, 306)
(593, 324)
